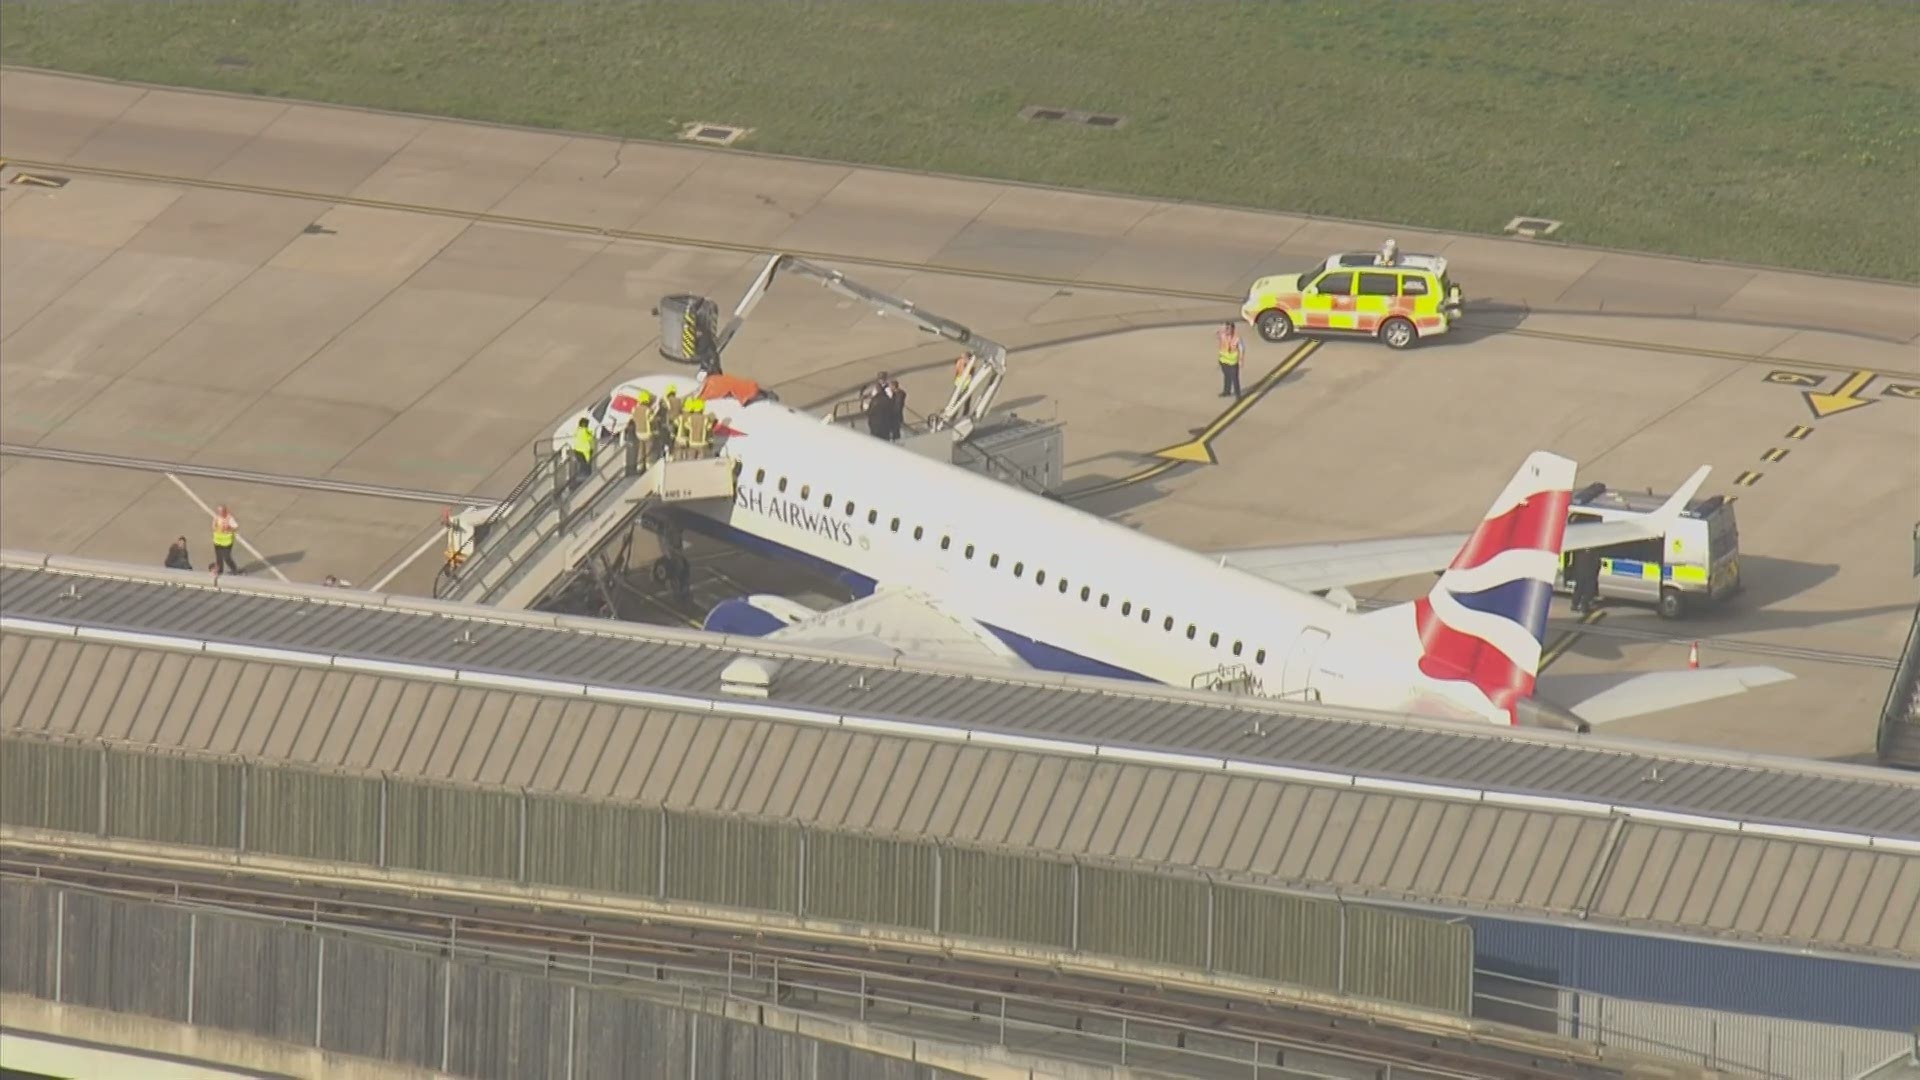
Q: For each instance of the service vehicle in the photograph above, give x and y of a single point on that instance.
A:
(1401, 299)
(1696, 563)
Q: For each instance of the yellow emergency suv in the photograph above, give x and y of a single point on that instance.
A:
(1402, 299)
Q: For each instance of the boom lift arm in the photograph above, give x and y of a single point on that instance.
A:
(974, 385)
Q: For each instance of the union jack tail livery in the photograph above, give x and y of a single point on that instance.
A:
(1486, 618)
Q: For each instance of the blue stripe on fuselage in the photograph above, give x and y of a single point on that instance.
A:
(1038, 653)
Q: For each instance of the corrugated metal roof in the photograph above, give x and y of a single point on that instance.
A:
(1388, 845)
(1686, 780)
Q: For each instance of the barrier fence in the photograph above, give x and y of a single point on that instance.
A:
(539, 839)
(465, 1011)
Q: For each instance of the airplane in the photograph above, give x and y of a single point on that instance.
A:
(951, 566)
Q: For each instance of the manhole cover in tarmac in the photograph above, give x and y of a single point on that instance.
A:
(1072, 116)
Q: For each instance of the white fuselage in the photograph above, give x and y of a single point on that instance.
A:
(1066, 590)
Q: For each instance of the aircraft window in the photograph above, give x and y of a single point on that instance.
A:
(783, 483)
(1126, 607)
(1260, 657)
(946, 542)
(826, 501)
(1236, 648)
(1146, 614)
(805, 490)
(1085, 591)
(1168, 624)
(896, 525)
(849, 507)
(1039, 577)
(1063, 586)
(969, 551)
(1213, 641)
(1103, 599)
(918, 532)
(994, 561)
(1191, 629)
(759, 476)
(1019, 569)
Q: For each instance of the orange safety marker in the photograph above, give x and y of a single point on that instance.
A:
(1693, 657)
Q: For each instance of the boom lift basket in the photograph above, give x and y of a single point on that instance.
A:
(687, 327)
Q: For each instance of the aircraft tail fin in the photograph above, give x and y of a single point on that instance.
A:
(1485, 620)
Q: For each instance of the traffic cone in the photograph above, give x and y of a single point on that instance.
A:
(1693, 657)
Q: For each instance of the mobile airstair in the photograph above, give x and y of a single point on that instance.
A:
(533, 545)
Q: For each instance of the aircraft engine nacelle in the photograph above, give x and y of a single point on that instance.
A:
(755, 616)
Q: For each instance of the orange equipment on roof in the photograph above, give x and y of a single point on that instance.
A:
(733, 386)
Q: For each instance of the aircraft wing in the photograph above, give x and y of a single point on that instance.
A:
(897, 622)
(1319, 567)
(1606, 698)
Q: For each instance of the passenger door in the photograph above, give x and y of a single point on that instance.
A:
(1296, 678)
(1328, 304)
(1377, 294)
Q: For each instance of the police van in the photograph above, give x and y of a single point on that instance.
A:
(1696, 563)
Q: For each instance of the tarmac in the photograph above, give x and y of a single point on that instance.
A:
(396, 300)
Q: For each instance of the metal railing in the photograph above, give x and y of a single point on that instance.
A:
(1898, 739)
(851, 409)
(685, 974)
(549, 500)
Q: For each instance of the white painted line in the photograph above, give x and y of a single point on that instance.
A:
(241, 537)
(406, 562)
(1889, 843)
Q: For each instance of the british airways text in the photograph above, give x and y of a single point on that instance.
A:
(793, 514)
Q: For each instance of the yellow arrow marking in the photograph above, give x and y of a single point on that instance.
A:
(1842, 399)
(1200, 450)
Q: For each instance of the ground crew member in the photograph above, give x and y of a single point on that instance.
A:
(1586, 580)
(225, 529)
(177, 557)
(582, 450)
(1232, 351)
(1388, 252)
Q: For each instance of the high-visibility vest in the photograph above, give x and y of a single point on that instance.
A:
(223, 532)
(698, 425)
(583, 442)
(1229, 351)
(682, 425)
